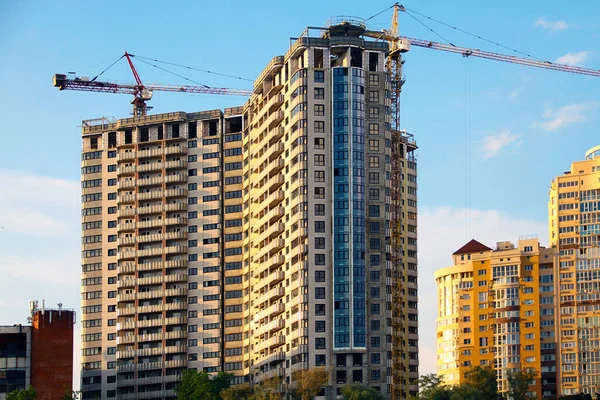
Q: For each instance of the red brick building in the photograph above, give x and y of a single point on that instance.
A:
(52, 352)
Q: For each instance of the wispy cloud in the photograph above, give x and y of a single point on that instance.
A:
(493, 145)
(568, 115)
(441, 232)
(554, 26)
(575, 59)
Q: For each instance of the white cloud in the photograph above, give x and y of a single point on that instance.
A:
(37, 205)
(568, 115)
(554, 26)
(574, 59)
(492, 145)
(442, 231)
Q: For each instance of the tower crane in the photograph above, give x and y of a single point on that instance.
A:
(397, 46)
(141, 93)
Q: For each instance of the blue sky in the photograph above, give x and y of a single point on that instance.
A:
(524, 125)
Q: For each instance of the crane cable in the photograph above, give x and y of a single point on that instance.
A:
(171, 72)
(431, 29)
(107, 68)
(193, 68)
(473, 35)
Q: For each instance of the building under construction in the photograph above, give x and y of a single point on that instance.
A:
(261, 240)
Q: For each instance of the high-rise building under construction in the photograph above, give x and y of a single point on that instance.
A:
(574, 228)
(255, 240)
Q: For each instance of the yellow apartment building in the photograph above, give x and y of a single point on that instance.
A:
(496, 307)
(574, 228)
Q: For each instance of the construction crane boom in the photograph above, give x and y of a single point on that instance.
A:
(141, 93)
(82, 84)
(501, 57)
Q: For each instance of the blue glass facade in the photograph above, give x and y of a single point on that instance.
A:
(349, 207)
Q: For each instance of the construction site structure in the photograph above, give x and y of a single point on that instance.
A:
(257, 240)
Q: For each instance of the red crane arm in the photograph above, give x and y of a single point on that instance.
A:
(500, 57)
(64, 83)
(134, 71)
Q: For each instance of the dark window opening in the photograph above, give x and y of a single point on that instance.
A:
(192, 129)
(356, 57)
(175, 131)
(213, 128)
(112, 140)
(160, 132)
(318, 58)
(234, 125)
(94, 143)
(144, 134)
(128, 136)
(373, 61)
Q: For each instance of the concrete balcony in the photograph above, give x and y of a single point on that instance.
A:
(175, 364)
(175, 164)
(126, 198)
(177, 206)
(155, 209)
(126, 297)
(124, 283)
(126, 268)
(126, 241)
(175, 264)
(152, 195)
(152, 181)
(153, 166)
(274, 119)
(273, 230)
(126, 227)
(272, 247)
(277, 356)
(175, 249)
(126, 255)
(270, 295)
(150, 153)
(176, 193)
(274, 198)
(126, 155)
(182, 291)
(176, 178)
(271, 311)
(126, 170)
(154, 337)
(176, 149)
(126, 184)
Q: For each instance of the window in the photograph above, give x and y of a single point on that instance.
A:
(373, 79)
(319, 193)
(319, 176)
(373, 162)
(319, 243)
(319, 126)
(374, 194)
(374, 96)
(319, 276)
(320, 360)
(373, 112)
(112, 210)
(374, 177)
(319, 93)
(319, 309)
(112, 182)
(319, 343)
(319, 110)
(319, 160)
(319, 259)
(373, 129)
(320, 226)
(319, 326)
(319, 209)
(374, 211)
(319, 76)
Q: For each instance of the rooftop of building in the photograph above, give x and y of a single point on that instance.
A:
(473, 246)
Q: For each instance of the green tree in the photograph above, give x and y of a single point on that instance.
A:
(22, 394)
(238, 392)
(196, 385)
(309, 383)
(482, 381)
(431, 387)
(519, 382)
(269, 389)
(361, 392)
